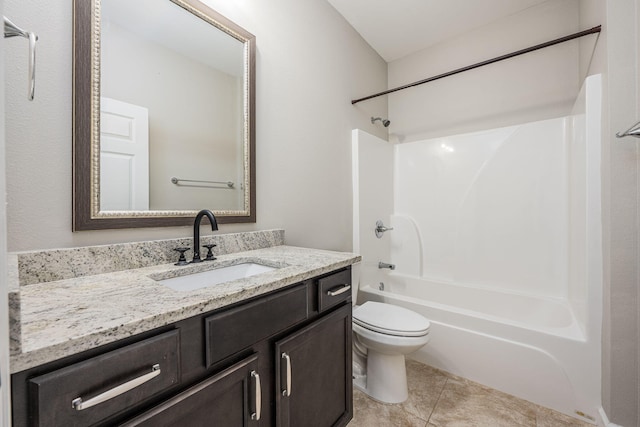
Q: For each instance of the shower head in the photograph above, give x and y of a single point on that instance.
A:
(384, 122)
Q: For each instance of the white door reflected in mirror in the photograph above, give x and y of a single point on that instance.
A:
(124, 156)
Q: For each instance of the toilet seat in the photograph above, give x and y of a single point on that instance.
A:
(390, 319)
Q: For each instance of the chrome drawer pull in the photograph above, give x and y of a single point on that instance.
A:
(256, 415)
(342, 290)
(287, 391)
(79, 405)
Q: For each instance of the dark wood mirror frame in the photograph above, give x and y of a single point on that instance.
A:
(86, 127)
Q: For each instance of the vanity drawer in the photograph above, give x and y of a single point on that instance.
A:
(334, 289)
(118, 380)
(234, 330)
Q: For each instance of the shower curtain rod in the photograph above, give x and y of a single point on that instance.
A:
(593, 30)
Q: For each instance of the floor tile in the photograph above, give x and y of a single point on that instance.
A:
(548, 418)
(464, 403)
(425, 385)
(369, 413)
(440, 399)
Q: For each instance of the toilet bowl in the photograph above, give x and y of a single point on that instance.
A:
(382, 335)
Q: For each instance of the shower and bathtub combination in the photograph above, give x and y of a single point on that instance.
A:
(497, 241)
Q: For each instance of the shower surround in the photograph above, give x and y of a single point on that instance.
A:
(497, 240)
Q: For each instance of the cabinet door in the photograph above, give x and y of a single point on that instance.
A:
(230, 398)
(313, 374)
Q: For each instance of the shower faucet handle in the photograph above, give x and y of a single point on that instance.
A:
(380, 229)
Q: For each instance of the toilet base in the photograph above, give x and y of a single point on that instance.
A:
(386, 378)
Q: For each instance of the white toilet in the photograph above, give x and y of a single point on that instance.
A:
(382, 335)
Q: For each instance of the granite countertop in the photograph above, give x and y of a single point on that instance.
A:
(64, 317)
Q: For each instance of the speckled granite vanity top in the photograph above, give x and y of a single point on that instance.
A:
(63, 317)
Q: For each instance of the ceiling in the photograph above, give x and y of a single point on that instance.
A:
(396, 28)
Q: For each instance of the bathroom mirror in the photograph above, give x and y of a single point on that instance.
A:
(163, 115)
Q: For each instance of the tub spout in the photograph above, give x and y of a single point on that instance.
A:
(385, 265)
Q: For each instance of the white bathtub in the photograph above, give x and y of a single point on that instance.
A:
(529, 347)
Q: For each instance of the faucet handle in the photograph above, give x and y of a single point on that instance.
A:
(182, 260)
(210, 256)
(381, 228)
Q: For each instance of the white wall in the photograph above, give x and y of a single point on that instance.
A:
(310, 64)
(531, 87)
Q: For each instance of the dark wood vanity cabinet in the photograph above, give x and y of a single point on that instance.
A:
(280, 359)
(313, 373)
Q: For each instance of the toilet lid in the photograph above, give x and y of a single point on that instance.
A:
(390, 319)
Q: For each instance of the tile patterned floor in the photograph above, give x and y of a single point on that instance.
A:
(439, 399)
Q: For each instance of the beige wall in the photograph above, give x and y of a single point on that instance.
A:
(5, 386)
(310, 64)
(194, 139)
(536, 86)
(621, 370)
(617, 55)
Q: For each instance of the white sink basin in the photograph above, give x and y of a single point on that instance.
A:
(190, 282)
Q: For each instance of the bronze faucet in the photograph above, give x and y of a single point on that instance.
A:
(196, 231)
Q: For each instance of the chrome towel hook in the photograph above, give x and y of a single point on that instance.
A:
(12, 30)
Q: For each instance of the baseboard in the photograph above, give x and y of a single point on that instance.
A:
(605, 419)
